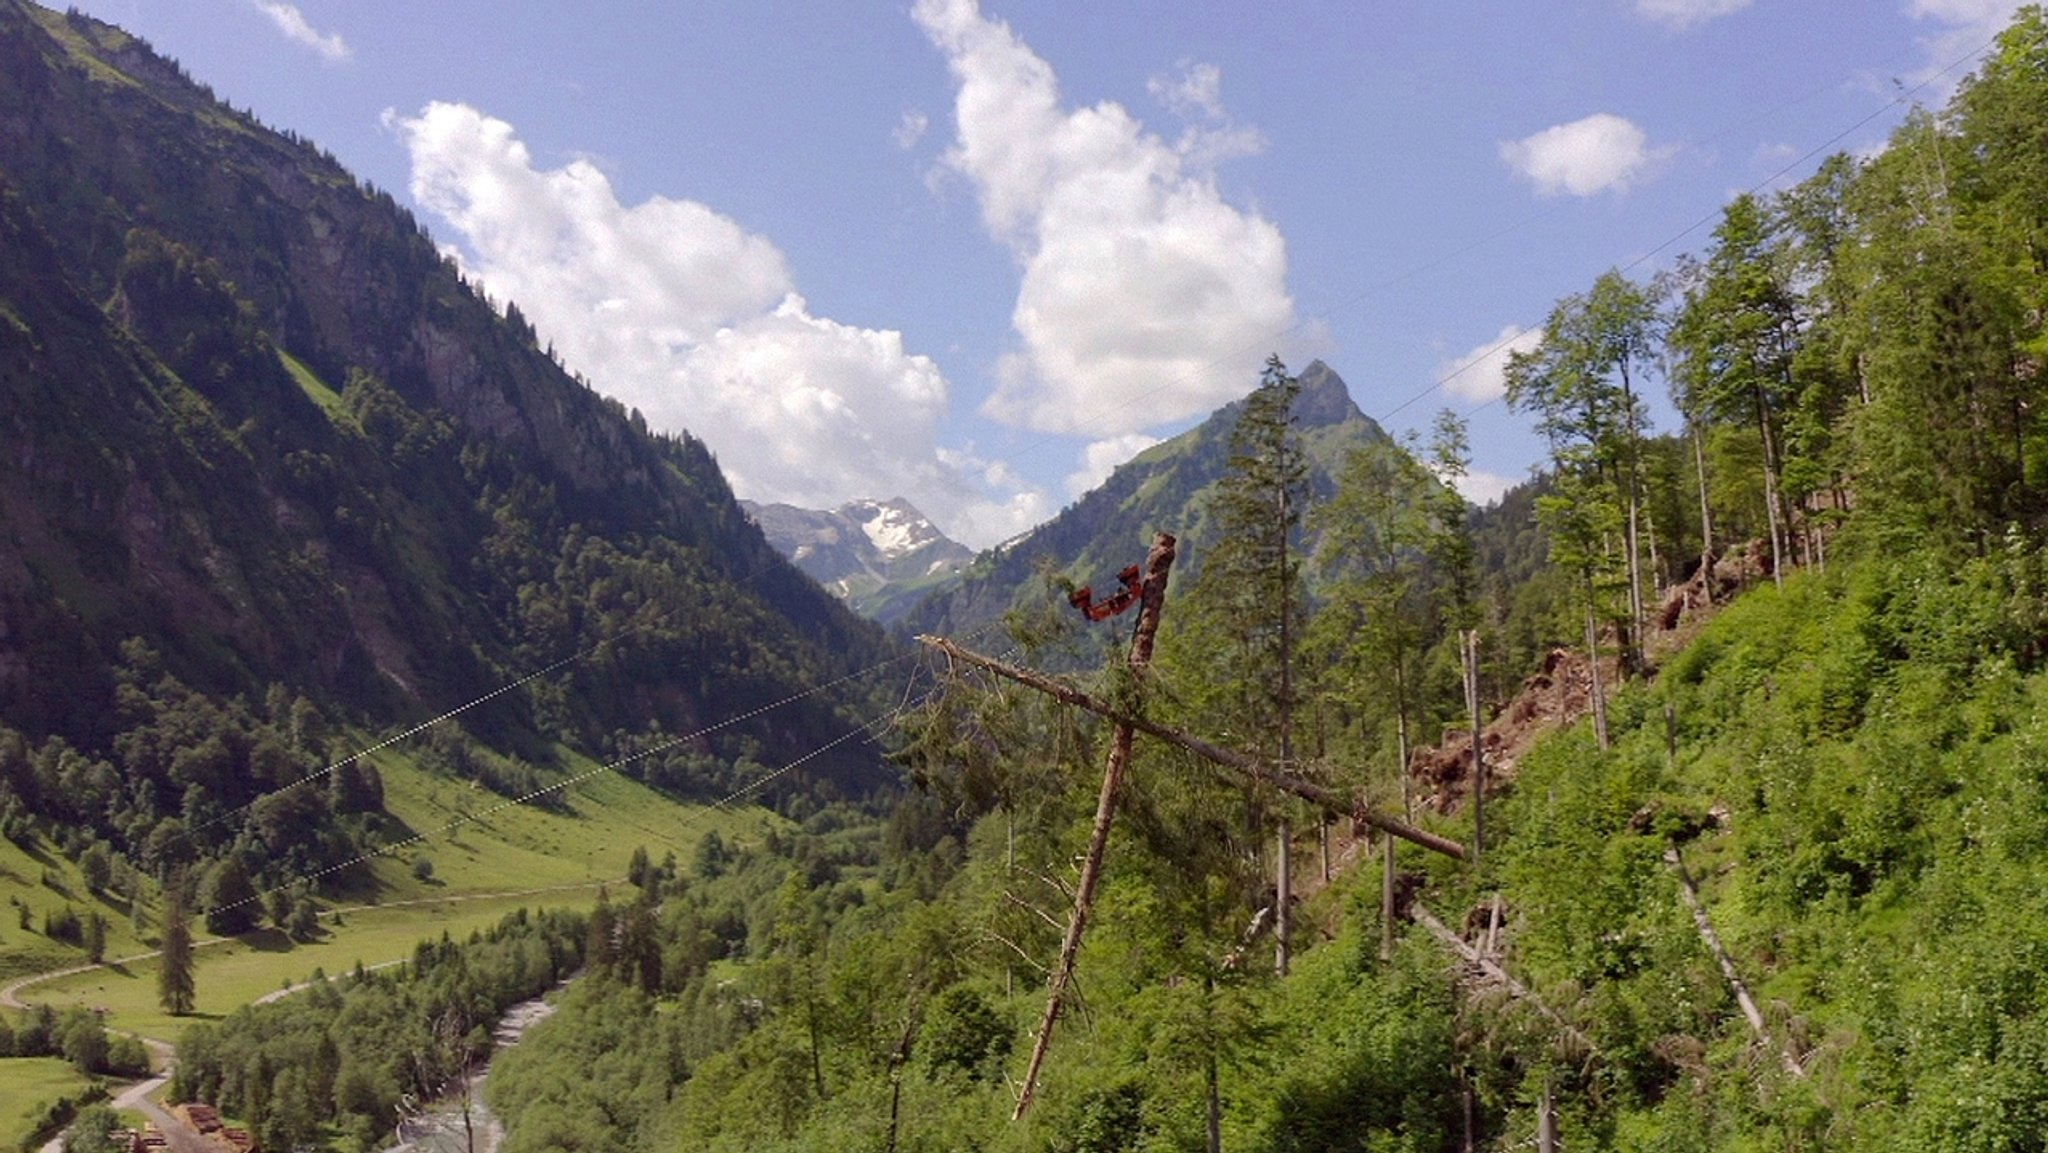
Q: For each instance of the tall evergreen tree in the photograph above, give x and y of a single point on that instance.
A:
(174, 969)
(1247, 605)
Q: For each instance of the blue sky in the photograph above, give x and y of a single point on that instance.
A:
(975, 255)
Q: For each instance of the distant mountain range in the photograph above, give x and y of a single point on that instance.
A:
(1166, 487)
(879, 556)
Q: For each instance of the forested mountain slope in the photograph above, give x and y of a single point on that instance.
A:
(272, 467)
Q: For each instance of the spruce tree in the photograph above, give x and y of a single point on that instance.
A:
(174, 972)
(1245, 609)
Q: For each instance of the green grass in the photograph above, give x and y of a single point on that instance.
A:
(319, 391)
(491, 864)
(21, 879)
(481, 842)
(237, 972)
(27, 1086)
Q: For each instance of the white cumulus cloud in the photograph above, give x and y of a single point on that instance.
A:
(1480, 375)
(1100, 459)
(680, 312)
(1585, 157)
(1484, 488)
(1145, 296)
(1679, 15)
(299, 30)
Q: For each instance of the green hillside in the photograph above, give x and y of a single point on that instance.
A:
(1752, 865)
(277, 472)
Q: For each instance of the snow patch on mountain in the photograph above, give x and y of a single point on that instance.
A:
(878, 555)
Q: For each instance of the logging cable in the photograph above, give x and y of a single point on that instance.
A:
(867, 730)
(658, 617)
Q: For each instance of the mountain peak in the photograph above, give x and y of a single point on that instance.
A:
(875, 554)
(1325, 399)
(893, 526)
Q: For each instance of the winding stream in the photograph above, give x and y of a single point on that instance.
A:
(439, 1127)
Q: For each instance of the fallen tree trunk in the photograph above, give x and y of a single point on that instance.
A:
(1492, 968)
(1747, 1003)
(1249, 767)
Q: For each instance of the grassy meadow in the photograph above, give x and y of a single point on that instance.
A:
(27, 1086)
(489, 856)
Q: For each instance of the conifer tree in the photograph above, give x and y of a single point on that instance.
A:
(174, 970)
(1246, 607)
(1582, 385)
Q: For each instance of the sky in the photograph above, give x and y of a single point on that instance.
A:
(977, 254)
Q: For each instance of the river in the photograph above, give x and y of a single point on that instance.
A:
(440, 1127)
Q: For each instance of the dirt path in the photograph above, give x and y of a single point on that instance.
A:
(302, 986)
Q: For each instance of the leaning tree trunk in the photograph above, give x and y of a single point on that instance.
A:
(1157, 566)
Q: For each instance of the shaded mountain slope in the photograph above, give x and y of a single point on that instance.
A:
(255, 421)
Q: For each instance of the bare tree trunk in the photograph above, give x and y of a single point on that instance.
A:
(1492, 969)
(1471, 663)
(1283, 902)
(1157, 565)
(1656, 583)
(1773, 505)
(1387, 848)
(1469, 1108)
(1743, 1000)
(1401, 739)
(1284, 897)
(1632, 650)
(1699, 464)
(1546, 1120)
(1009, 869)
(1593, 670)
(1323, 844)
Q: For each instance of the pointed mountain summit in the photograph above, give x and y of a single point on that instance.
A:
(1325, 400)
(877, 555)
(1164, 488)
